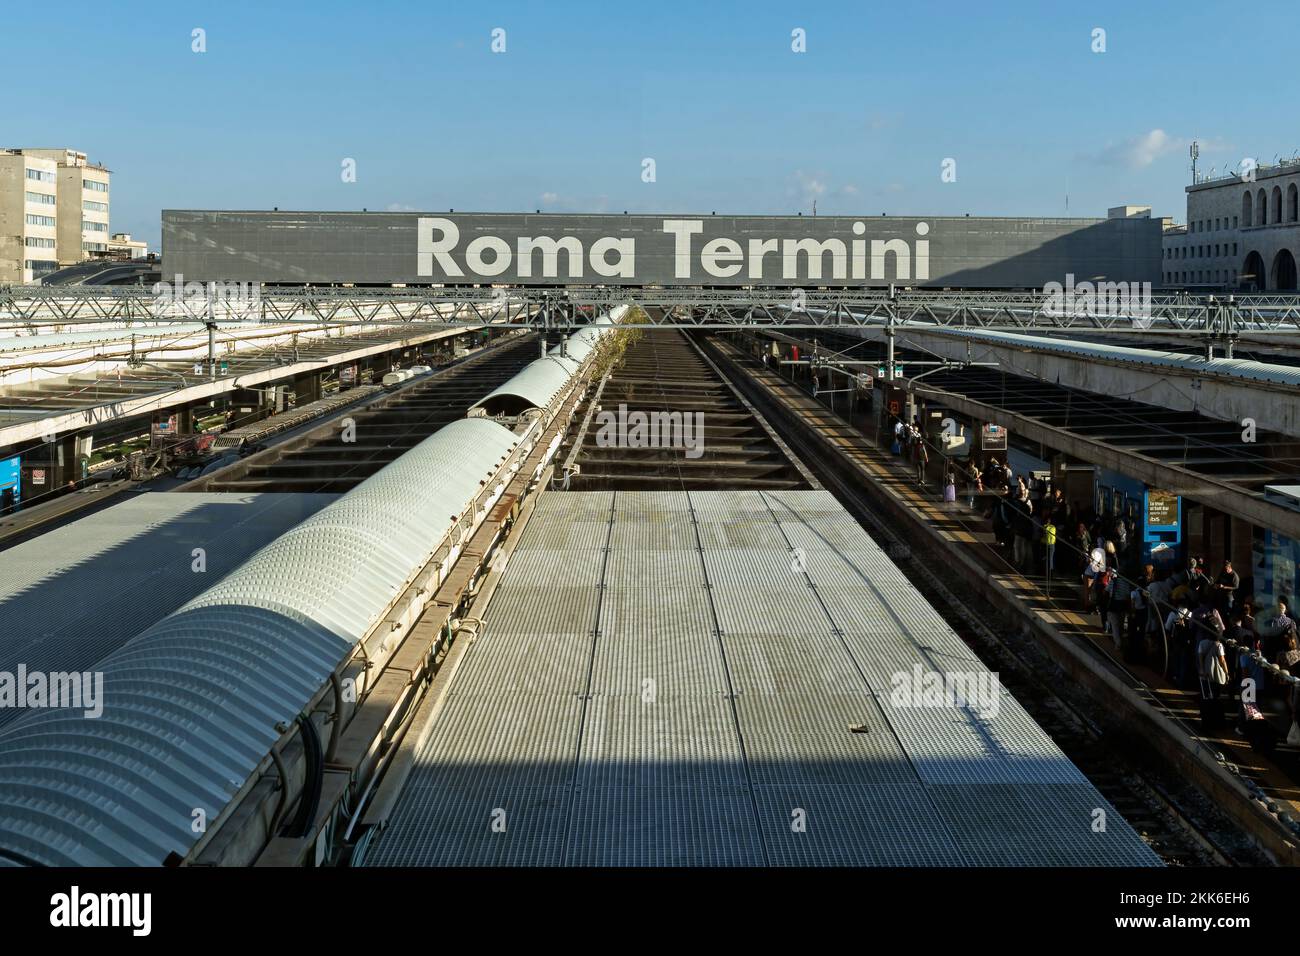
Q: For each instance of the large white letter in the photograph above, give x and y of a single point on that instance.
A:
(715, 251)
(758, 248)
(682, 230)
(624, 268)
(427, 249)
(474, 255)
(902, 258)
(550, 249)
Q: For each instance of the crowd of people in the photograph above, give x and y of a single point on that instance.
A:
(1181, 622)
(1196, 623)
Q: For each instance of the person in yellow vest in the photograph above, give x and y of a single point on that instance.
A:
(1049, 542)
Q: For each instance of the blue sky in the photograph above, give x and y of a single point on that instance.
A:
(735, 121)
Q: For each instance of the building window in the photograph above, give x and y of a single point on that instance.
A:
(40, 175)
(1234, 248)
(1292, 203)
(34, 220)
(88, 226)
(43, 199)
(91, 206)
(1234, 222)
(94, 247)
(95, 185)
(40, 267)
(36, 242)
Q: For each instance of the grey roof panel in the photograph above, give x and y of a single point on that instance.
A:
(192, 704)
(773, 742)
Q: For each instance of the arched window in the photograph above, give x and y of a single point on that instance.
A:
(1292, 203)
(1261, 207)
(1247, 207)
(1284, 272)
(1252, 273)
(1277, 205)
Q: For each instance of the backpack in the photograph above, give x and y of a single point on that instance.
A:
(1210, 654)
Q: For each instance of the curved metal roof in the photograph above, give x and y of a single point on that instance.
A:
(540, 381)
(190, 706)
(533, 386)
(579, 345)
(1233, 368)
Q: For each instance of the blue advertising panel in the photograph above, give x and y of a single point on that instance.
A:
(1162, 532)
(10, 475)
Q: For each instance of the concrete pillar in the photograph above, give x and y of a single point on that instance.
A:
(306, 388)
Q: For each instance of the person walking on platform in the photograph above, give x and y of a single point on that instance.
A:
(1049, 545)
(1022, 527)
(1094, 564)
(1212, 673)
(1197, 583)
(973, 483)
(922, 459)
(1225, 589)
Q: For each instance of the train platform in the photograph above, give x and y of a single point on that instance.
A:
(730, 678)
(76, 593)
(1051, 607)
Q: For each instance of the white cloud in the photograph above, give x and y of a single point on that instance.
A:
(807, 187)
(1139, 152)
(549, 199)
(400, 207)
(1146, 149)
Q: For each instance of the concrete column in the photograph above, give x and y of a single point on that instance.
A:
(306, 388)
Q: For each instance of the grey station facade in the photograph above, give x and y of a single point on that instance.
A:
(545, 249)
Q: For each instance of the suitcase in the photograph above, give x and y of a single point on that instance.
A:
(1211, 709)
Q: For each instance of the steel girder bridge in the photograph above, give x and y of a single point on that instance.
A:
(1214, 318)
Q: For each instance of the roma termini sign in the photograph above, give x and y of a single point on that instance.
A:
(668, 250)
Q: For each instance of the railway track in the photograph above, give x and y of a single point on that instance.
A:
(332, 458)
(1175, 820)
(704, 435)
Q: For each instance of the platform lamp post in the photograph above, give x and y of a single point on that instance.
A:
(211, 324)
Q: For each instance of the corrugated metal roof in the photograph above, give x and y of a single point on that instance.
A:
(1232, 368)
(754, 690)
(191, 704)
(532, 387)
(538, 382)
(79, 592)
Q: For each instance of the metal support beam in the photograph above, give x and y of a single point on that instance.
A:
(46, 307)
